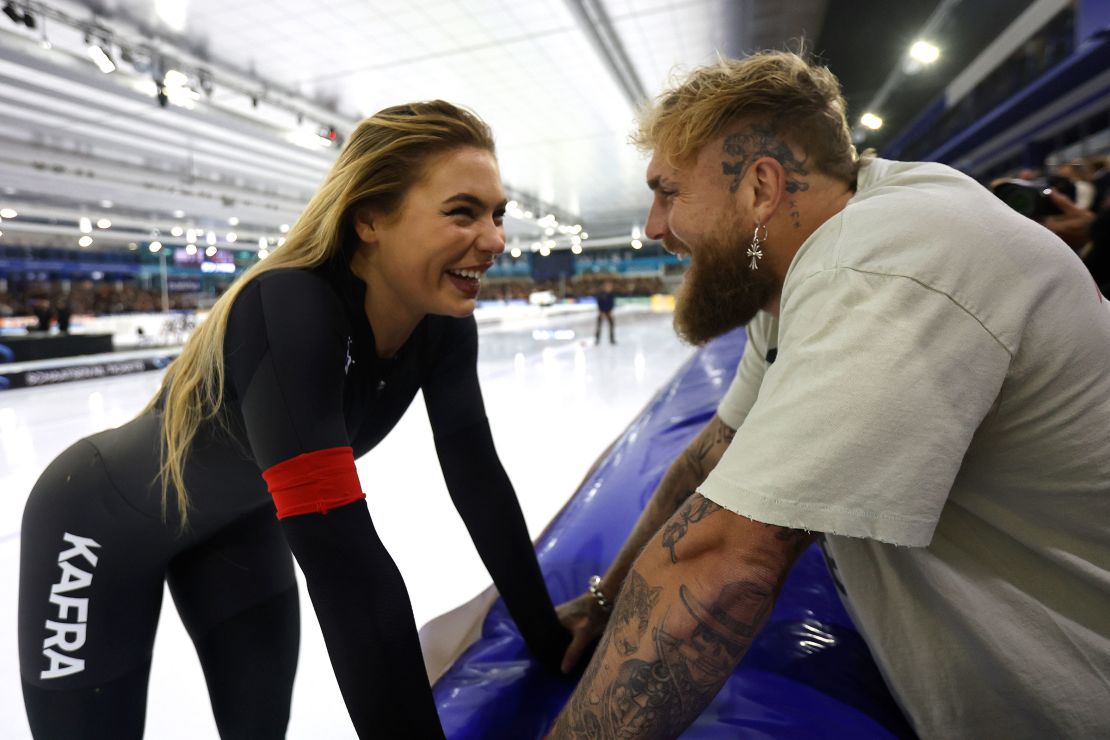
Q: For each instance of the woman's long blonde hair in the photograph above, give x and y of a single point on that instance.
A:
(383, 158)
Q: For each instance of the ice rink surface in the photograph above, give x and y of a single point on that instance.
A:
(555, 402)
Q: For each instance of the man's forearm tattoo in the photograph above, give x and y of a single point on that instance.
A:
(761, 141)
(693, 511)
(696, 649)
(630, 622)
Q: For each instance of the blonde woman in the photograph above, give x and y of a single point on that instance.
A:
(307, 362)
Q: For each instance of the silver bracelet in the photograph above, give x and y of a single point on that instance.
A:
(595, 591)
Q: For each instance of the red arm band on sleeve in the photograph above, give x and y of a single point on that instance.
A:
(314, 482)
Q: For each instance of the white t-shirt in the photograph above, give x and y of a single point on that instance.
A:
(939, 406)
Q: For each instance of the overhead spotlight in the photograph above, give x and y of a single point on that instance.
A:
(544, 251)
(924, 52)
(211, 251)
(576, 248)
(232, 237)
(191, 249)
(99, 53)
(84, 224)
(177, 231)
(179, 214)
(284, 228)
(191, 236)
(103, 223)
(210, 237)
(155, 246)
(584, 235)
(233, 221)
(515, 252)
(263, 253)
(637, 244)
(871, 121)
(85, 241)
(261, 243)
(106, 204)
(8, 213)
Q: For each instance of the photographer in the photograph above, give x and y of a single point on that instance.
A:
(1085, 231)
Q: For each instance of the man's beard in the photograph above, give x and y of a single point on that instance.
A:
(720, 291)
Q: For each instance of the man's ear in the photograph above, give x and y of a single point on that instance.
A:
(363, 221)
(768, 183)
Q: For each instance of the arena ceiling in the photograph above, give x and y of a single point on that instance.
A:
(237, 148)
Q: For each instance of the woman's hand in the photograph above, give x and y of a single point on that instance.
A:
(586, 620)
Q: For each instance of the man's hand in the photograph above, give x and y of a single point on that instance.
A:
(586, 621)
(1073, 225)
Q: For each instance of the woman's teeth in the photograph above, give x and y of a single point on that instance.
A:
(468, 274)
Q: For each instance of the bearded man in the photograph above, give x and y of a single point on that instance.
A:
(924, 387)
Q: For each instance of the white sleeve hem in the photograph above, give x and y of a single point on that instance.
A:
(829, 519)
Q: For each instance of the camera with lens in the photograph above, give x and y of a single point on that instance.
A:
(1030, 197)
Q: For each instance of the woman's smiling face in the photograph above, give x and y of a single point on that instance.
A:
(431, 254)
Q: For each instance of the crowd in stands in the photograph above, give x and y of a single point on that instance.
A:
(578, 287)
(89, 297)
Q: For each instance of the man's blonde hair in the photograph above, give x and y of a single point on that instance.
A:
(799, 101)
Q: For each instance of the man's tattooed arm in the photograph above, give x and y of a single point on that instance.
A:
(761, 141)
(688, 471)
(652, 676)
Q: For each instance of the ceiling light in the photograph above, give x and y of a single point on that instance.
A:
(191, 236)
(924, 52)
(636, 244)
(191, 249)
(233, 221)
(211, 251)
(132, 246)
(84, 225)
(576, 248)
(261, 243)
(98, 52)
(544, 251)
(263, 253)
(177, 231)
(179, 214)
(84, 241)
(584, 235)
(172, 13)
(210, 237)
(515, 252)
(155, 246)
(232, 237)
(548, 231)
(173, 78)
(106, 204)
(8, 213)
(284, 228)
(103, 224)
(871, 121)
